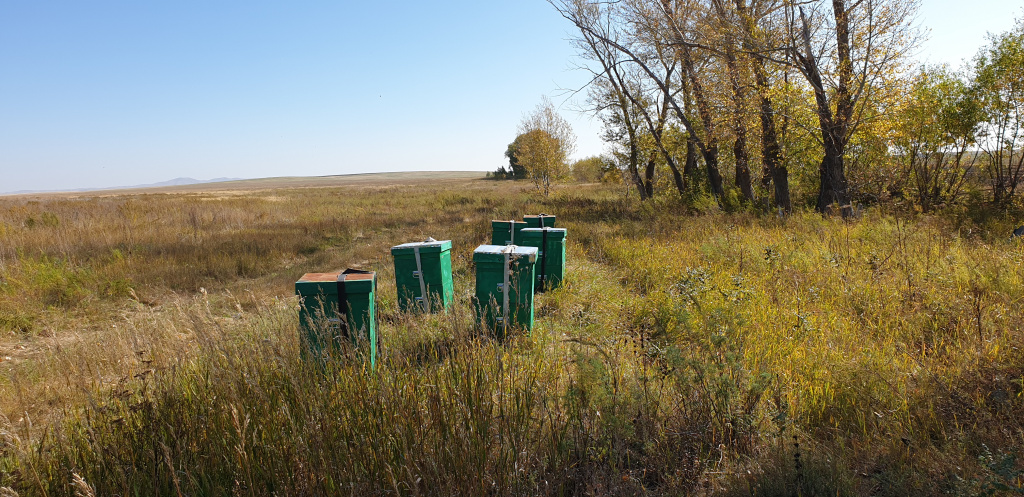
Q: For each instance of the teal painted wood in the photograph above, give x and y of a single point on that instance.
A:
(323, 331)
(433, 275)
(506, 232)
(550, 243)
(540, 221)
(497, 315)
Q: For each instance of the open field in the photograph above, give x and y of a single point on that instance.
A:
(248, 185)
(149, 346)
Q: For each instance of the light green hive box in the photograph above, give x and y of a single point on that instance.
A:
(423, 275)
(506, 232)
(540, 221)
(550, 243)
(323, 330)
(504, 287)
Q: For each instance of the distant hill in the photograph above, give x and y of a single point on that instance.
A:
(182, 181)
(172, 182)
(186, 185)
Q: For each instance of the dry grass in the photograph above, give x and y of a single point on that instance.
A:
(152, 344)
(73, 270)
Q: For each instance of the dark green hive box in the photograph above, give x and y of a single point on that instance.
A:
(540, 221)
(551, 255)
(504, 271)
(506, 232)
(322, 325)
(423, 275)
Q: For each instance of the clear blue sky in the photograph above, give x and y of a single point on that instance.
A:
(106, 93)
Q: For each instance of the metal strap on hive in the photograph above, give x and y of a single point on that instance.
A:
(543, 256)
(505, 287)
(423, 298)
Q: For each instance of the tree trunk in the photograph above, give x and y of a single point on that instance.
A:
(678, 178)
(739, 151)
(634, 169)
(710, 149)
(690, 167)
(771, 154)
(833, 191)
(649, 177)
(714, 177)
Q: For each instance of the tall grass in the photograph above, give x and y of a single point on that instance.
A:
(686, 353)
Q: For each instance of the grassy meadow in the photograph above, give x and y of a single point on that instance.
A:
(149, 346)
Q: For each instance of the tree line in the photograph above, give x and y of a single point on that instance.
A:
(776, 102)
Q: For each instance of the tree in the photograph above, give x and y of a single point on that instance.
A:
(545, 143)
(718, 67)
(738, 92)
(937, 124)
(515, 170)
(632, 35)
(617, 93)
(621, 124)
(591, 169)
(999, 80)
(845, 50)
(677, 23)
(756, 40)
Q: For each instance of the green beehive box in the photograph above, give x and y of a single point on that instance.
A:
(506, 232)
(324, 328)
(550, 243)
(504, 287)
(423, 275)
(540, 221)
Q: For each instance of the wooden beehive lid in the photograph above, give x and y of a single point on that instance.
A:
(320, 277)
(327, 277)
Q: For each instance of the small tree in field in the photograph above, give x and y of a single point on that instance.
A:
(589, 170)
(999, 83)
(544, 145)
(937, 125)
(515, 170)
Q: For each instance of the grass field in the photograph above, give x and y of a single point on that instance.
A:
(149, 346)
